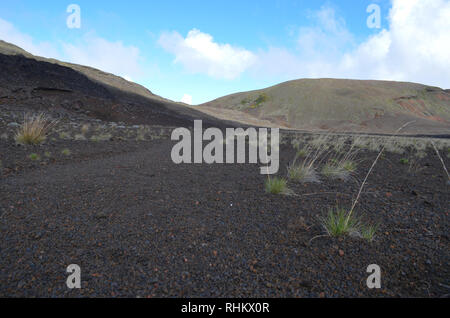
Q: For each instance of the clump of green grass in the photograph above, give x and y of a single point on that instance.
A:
(302, 153)
(337, 224)
(368, 232)
(34, 129)
(276, 186)
(349, 166)
(66, 152)
(340, 222)
(34, 157)
(262, 98)
(404, 161)
(65, 136)
(47, 154)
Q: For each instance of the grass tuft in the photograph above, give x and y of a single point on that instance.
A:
(66, 152)
(302, 173)
(368, 232)
(276, 186)
(34, 129)
(34, 157)
(335, 171)
(336, 223)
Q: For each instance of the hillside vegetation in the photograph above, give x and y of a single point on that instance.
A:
(343, 105)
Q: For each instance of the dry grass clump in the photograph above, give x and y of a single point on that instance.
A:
(102, 137)
(305, 171)
(34, 129)
(302, 173)
(141, 134)
(85, 129)
(334, 171)
(343, 164)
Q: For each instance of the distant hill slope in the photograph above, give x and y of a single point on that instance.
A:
(341, 105)
(32, 82)
(308, 104)
(92, 73)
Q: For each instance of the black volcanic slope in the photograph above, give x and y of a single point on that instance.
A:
(29, 84)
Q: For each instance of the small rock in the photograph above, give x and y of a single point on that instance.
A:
(341, 253)
(13, 124)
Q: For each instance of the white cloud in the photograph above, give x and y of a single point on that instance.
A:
(327, 38)
(198, 53)
(90, 50)
(414, 48)
(187, 99)
(10, 34)
(111, 57)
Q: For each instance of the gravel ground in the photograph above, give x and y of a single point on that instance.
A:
(140, 226)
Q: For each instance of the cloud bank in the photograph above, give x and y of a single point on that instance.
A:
(111, 57)
(415, 47)
(198, 53)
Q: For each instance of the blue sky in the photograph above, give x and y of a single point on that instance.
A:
(207, 49)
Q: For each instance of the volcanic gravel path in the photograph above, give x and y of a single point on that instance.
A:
(140, 226)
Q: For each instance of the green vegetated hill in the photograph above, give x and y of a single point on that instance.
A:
(343, 105)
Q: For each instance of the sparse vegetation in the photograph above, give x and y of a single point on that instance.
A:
(302, 173)
(349, 166)
(276, 186)
(404, 161)
(368, 232)
(66, 152)
(34, 157)
(34, 129)
(85, 129)
(335, 171)
(103, 137)
(80, 137)
(336, 223)
(65, 136)
(262, 98)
